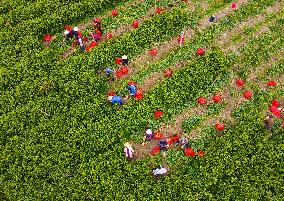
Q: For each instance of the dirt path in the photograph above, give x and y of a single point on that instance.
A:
(167, 46)
(157, 77)
(119, 31)
(143, 150)
(224, 40)
(83, 26)
(234, 102)
(235, 47)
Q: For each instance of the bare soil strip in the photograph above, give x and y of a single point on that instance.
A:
(234, 102)
(157, 77)
(167, 46)
(119, 31)
(224, 39)
(143, 150)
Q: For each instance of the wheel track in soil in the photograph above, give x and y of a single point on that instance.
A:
(143, 150)
(119, 31)
(165, 47)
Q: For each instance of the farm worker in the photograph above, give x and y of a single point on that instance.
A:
(124, 60)
(163, 144)
(67, 34)
(96, 37)
(82, 46)
(181, 38)
(269, 123)
(128, 150)
(148, 134)
(212, 18)
(115, 99)
(160, 171)
(75, 32)
(108, 72)
(184, 142)
(97, 24)
(132, 89)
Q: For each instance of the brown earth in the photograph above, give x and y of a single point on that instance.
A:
(164, 48)
(234, 102)
(143, 150)
(223, 41)
(116, 32)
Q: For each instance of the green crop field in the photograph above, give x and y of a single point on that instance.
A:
(62, 139)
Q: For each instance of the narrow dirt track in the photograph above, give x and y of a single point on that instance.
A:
(233, 102)
(136, 65)
(117, 32)
(142, 150)
(157, 77)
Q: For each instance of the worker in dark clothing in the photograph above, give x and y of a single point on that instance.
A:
(212, 18)
(124, 60)
(269, 123)
(163, 144)
(75, 32)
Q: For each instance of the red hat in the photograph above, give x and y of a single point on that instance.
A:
(47, 38)
(67, 27)
(97, 20)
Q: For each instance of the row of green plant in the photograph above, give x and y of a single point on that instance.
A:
(228, 170)
(275, 70)
(252, 30)
(70, 92)
(44, 67)
(105, 53)
(74, 150)
(22, 50)
(215, 109)
(125, 16)
(51, 17)
(185, 52)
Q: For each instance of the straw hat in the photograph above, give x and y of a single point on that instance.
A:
(127, 144)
